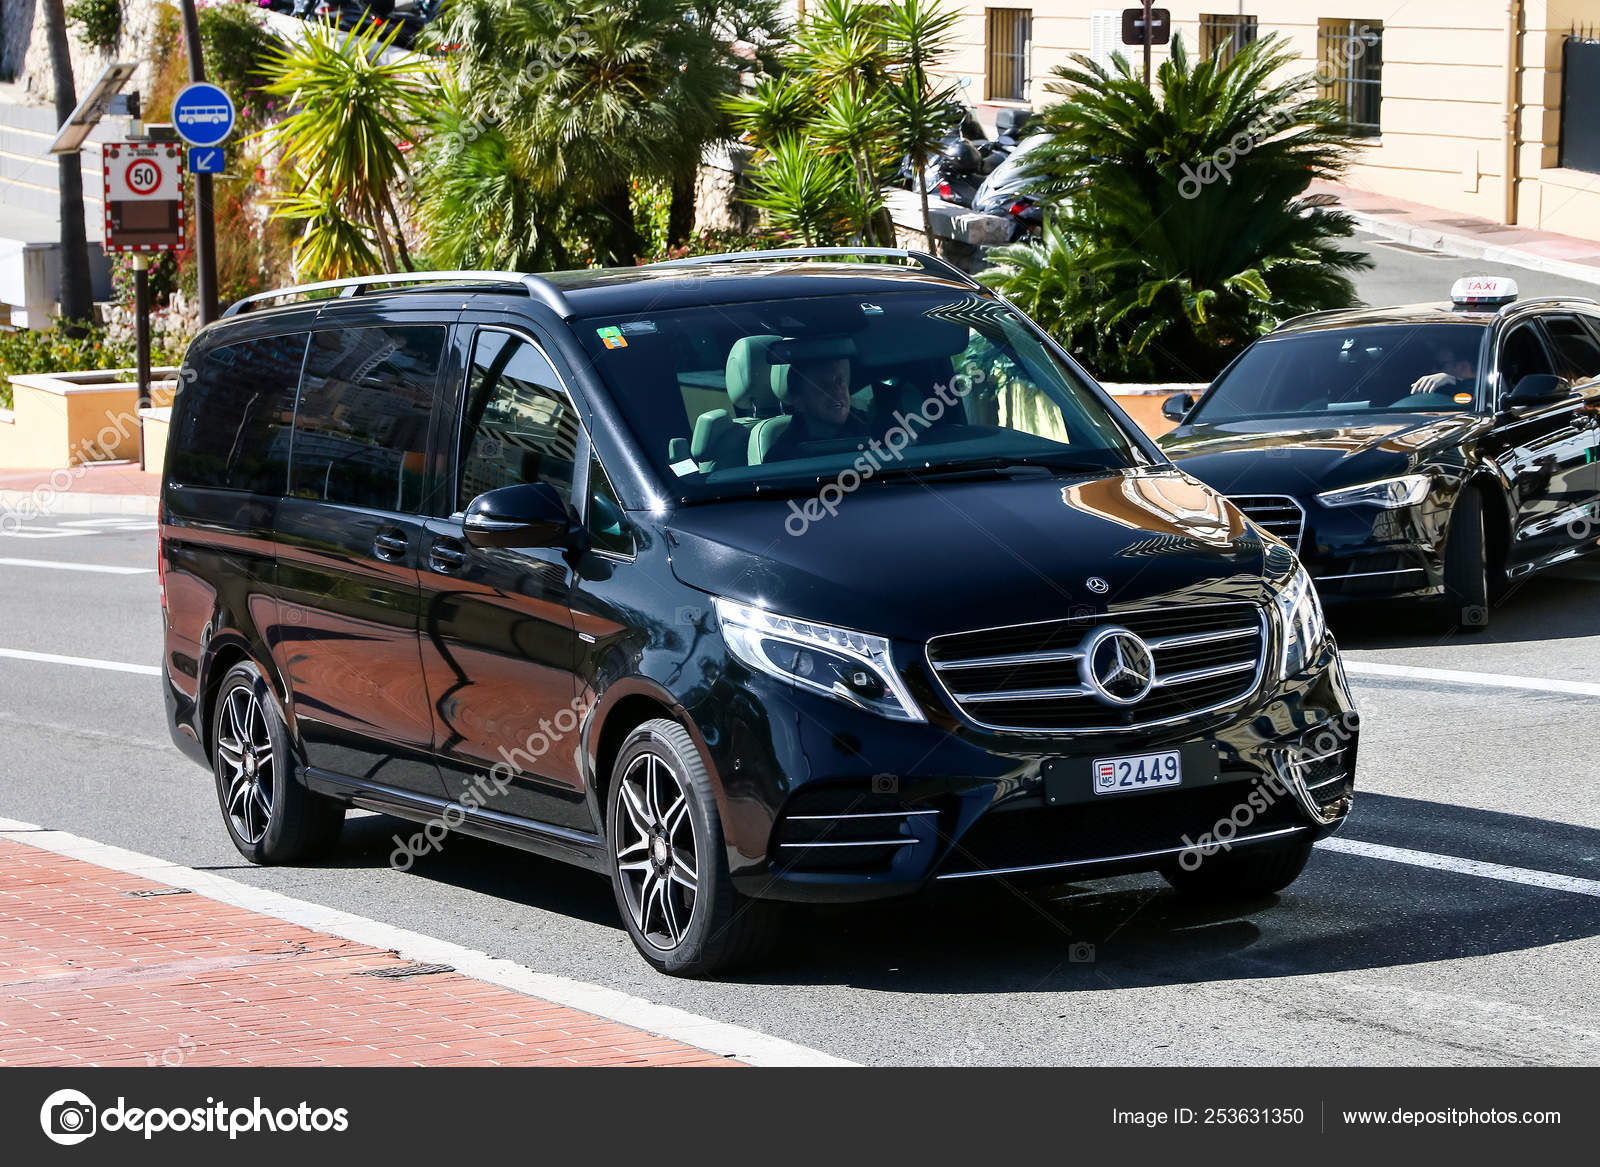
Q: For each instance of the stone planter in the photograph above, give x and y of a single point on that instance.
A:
(66, 419)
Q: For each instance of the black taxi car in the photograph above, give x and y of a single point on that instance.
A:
(1431, 451)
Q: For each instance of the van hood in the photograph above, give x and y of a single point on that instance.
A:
(1275, 456)
(912, 561)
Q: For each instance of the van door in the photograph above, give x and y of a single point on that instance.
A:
(498, 644)
(349, 540)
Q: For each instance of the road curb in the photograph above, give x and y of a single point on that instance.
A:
(1466, 247)
(717, 1037)
(45, 501)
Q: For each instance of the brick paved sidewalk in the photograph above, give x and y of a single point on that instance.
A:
(92, 972)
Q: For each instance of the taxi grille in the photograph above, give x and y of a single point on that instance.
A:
(1277, 514)
(1026, 678)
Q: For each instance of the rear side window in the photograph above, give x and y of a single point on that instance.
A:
(1576, 346)
(234, 432)
(361, 432)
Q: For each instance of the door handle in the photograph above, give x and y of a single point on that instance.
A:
(446, 556)
(389, 545)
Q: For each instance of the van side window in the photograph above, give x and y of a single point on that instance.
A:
(609, 528)
(235, 429)
(361, 433)
(518, 426)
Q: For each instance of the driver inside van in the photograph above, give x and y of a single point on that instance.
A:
(819, 399)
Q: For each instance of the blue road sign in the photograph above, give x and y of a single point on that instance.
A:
(202, 114)
(205, 160)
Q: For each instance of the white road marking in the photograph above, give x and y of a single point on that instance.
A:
(718, 1037)
(62, 565)
(82, 662)
(1524, 875)
(1459, 677)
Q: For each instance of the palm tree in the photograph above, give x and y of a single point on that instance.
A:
(590, 97)
(1183, 227)
(76, 294)
(816, 195)
(353, 104)
(917, 34)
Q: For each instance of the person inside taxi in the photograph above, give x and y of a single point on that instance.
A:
(1457, 374)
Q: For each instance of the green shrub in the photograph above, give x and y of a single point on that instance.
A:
(53, 351)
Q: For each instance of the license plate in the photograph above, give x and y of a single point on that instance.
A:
(1137, 772)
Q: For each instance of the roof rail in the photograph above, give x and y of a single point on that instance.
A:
(928, 263)
(1548, 302)
(540, 289)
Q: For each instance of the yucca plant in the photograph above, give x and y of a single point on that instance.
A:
(1183, 228)
(917, 35)
(812, 194)
(350, 111)
(329, 244)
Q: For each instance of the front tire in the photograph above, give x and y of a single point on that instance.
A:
(270, 815)
(1256, 869)
(1465, 604)
(669, 866)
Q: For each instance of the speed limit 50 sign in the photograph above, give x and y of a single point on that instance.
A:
(144, 196)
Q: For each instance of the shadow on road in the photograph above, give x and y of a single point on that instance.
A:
(1346, 912)
(1562, 605)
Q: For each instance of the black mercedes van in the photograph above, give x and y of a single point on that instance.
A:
(781, 576)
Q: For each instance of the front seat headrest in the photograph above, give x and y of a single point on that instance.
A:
(751, 378)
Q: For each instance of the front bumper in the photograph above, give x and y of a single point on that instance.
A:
(824, 804)
(1365, 552)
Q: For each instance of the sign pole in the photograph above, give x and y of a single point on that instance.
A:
(141, 314)
(1149, 35)
(205, 231)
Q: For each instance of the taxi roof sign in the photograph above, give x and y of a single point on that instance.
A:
(1483, 291)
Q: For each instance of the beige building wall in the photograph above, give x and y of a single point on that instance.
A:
(1446, 77)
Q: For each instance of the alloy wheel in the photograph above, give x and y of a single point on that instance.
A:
(655, 851)
(244, 755)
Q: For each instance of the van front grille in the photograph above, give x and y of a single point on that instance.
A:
(1031, 677)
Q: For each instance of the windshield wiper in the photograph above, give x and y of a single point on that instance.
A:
(992, 467)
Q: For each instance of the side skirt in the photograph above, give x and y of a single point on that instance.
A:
(576, 847)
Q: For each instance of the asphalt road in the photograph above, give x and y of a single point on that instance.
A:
(1402, 274)
(1363, 961)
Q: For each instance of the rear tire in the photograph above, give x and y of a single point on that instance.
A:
(269, 813)
(1465, 603)
(1255, 869)
(669, 864)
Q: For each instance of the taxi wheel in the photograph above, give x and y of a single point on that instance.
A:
(1465, 604)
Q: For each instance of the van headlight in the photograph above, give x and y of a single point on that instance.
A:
(1300, 616)
(1389, 493)
(852, 667)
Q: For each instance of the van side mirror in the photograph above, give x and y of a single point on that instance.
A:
(1177, 407)
(1538, 389)
(530, 514)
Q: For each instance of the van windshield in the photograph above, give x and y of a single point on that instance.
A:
(731, 399)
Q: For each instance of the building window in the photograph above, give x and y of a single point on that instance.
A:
(1580, 104)
(1350, 70)
(1105, 37)
(1228, 33)
(1010, 39)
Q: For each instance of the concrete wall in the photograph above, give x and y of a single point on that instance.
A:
(66, 419)
(1445, 79)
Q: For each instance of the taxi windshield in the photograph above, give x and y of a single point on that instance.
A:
(1375, 368)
